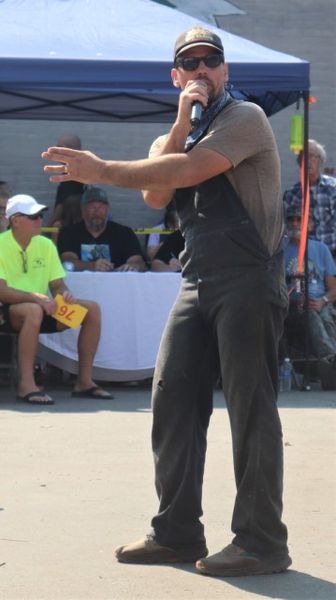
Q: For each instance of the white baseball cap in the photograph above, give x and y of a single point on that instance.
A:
(23, 204)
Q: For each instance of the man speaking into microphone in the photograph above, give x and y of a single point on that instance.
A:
(225, 178)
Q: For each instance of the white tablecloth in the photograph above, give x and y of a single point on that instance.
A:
(135, 307)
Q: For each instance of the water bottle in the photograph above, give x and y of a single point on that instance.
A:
(285, 376)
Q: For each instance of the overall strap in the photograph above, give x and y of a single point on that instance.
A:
(208, 117)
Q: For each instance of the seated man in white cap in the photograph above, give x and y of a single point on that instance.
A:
(29, 269)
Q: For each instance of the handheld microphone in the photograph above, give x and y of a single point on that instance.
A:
(196, 114)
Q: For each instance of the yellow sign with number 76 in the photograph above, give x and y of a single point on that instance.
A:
(71, 315)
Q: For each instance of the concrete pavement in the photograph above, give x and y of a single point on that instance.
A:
(77, 480)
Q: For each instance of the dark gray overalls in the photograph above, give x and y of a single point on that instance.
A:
(232, 304)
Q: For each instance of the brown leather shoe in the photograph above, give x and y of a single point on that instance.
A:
(148, 551)
(233, 561)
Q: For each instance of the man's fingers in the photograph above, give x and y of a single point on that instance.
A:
(56, 169)
(59, 178)
(56, 153)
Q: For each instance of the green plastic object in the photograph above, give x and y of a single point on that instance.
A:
(296, 134)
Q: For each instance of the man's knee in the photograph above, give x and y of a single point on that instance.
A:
(94, 314)
(26, 312)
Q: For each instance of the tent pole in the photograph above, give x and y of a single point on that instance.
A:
(306, 382)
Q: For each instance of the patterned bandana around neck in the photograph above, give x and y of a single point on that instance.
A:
(208, 115)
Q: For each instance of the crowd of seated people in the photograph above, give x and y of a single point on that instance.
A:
(27, 294)
(87, 239)
(311, 325)
(31, 276)
(322, 197)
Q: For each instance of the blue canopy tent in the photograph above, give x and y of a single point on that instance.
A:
(111, 60)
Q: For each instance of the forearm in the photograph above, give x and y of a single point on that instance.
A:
(174, 143)
(158, 266)
(79, 265)
(160, 173)
(10, 295)
(331, 294)
(58, 287)
(84, 265)
(137, 263)
(156, 174)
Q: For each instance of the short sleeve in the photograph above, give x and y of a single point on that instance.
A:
(240, 132)
(56, 270)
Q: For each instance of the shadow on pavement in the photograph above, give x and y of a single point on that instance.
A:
(125, 399)
(292, 585)
(136, 396)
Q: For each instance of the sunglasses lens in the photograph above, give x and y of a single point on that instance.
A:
(191, 63)
(213, 60)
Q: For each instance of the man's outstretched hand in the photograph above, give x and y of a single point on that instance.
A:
(75, 165)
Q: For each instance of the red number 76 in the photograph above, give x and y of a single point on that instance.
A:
(63, 311)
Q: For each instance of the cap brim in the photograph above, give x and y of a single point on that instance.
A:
(83, 202)
(195, 44)
(37, 208)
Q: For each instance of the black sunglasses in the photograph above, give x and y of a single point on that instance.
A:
(191, 63)
(32, 217)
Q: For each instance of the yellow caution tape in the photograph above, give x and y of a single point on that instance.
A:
(153, 230)
(139, 231)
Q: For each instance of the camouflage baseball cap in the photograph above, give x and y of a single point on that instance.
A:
(197, 36)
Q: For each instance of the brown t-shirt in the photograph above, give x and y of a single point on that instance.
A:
(242, 133)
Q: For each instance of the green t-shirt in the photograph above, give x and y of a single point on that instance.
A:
(29, 270)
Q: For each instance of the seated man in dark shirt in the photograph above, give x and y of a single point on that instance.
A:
(167, 257)
(96, 244)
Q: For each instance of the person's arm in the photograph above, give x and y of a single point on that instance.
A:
(167, 257)
(173, 266)
(180, 170)
(125, 249)
(330, 282)
(174, 142)
(329, 296)
(161, 174)
(101, 264)
(57, 286)
(9, 295)
(133, 263)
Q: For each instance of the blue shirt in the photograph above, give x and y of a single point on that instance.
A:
(320, 265)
